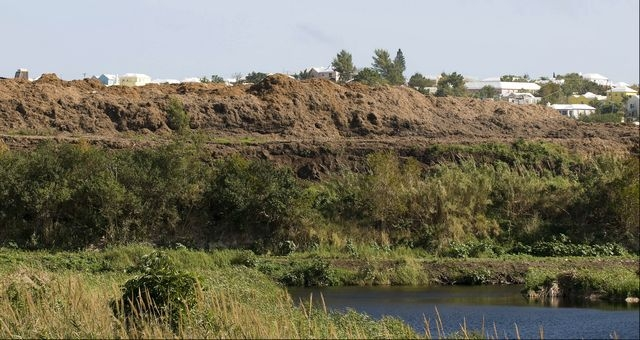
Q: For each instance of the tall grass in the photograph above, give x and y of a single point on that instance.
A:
(615, 283)
(231, 303)
(48, 299)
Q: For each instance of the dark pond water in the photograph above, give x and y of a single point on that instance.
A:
(503, 306)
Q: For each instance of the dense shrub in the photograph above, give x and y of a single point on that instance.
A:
(161, 292)
(64, 196)
(561, 246)
(177, 118)
(314, 272)
(253, 198)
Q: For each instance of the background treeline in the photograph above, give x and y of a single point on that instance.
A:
(523, 197)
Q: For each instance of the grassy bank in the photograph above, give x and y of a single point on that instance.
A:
(614, 283)
(69, 295)
(241, 295)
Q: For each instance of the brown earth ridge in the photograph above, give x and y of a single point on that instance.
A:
(313, 124)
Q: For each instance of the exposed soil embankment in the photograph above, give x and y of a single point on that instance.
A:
(281, 115)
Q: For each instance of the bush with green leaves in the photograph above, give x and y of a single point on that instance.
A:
(314, 272)
(561, 245)
(245, 258)
(177, 117)
(161, 292)
(253, 198)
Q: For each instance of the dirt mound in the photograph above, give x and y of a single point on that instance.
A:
(284, 109)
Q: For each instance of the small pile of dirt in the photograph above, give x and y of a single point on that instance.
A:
(49, 78)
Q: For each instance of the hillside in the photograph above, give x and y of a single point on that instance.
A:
(282, 117)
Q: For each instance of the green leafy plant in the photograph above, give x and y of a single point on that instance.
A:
(161, 292)
(177, 118)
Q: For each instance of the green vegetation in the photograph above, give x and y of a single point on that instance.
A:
(343, 63)
(518, 198)
(254, 77)
(142, 292)
(451, 85)
(487, 91)
(616, 283)
(573, 84)
(160, 291)
(390, 70)
(420, 83)
(369, 76)
(511, 77)
(226, 302)
(177, 118)
(214, 79)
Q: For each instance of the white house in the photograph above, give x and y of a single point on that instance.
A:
(191, 80)
(591, 96)
(134, 79)
(109, 79)
(324, 73)
(597, 78)
(522, 98)
(165, 81)
(574, 110)
(504, 88)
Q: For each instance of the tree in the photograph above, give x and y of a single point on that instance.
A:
(237, 78)
(419, 82)
(369, 77)
(255, 77)
(575, 84)
(550, 93)
(382, 63)
(177, 118)
(302, 75)
(487, 92)
(343, 64)
(391, 70)
(606, 107)
(214, 79)
(399, 65)
(510, 77)
(451, 85)
(217, 79)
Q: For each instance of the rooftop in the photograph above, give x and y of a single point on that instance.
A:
(572, 107)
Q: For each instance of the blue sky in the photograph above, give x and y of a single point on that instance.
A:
(187, 38)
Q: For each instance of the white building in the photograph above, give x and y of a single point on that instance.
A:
(590, 96)
(522, 98)
(134, 79)
(504, 88)
(597, 78)
(324, 73)
(191, 80)
(574, 110)
(109, 79)
(165, 81)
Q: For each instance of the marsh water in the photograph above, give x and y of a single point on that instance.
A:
(482, 307)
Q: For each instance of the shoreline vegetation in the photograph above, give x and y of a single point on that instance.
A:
(237, 294)
(168, 242)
